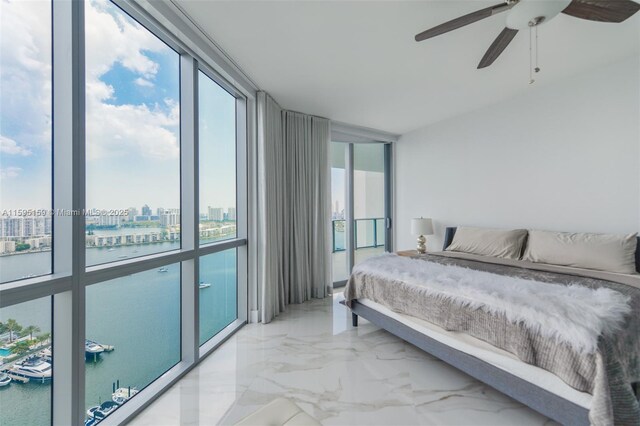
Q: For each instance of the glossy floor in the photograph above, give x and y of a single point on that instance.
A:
(336, 373)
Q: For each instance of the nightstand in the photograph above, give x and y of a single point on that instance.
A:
(407, 253)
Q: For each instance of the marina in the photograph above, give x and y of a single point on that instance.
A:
(152, 295)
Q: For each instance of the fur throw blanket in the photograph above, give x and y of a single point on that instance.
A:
(573, 314)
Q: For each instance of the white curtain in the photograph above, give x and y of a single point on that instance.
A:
(294, 207)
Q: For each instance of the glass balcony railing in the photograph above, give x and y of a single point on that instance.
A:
(369, 232)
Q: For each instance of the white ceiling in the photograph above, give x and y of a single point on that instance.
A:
(357, 62)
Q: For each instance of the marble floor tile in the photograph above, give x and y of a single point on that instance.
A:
(338, 374)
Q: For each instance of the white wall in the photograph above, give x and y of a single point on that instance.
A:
(565, 156)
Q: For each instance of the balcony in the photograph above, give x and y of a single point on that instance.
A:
(369, 241)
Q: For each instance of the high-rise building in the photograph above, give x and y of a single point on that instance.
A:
(231, 215)
(146, 210)
(48, 225)
(22, 227)
(133, 212)
(11, 227)
(110, 220)
(216, 213)
(170, 217)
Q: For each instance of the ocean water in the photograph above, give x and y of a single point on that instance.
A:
(138, 314)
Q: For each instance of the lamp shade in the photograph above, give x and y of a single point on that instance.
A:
(421, 226)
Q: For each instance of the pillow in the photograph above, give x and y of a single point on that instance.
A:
(489, 242)
(602, 252)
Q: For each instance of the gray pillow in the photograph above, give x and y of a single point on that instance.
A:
(489, 242)
(602, 252)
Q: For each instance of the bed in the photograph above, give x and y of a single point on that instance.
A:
(571, 384)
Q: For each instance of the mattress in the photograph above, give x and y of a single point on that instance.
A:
(488, 353)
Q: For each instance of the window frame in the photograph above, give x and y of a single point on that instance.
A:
(70, 276)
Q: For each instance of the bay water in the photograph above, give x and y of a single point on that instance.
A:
(138, 314)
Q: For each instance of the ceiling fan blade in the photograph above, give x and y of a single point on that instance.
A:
(465, 20)
(497, 47)
(602, 10)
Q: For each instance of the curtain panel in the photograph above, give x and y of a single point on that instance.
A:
(294, 259)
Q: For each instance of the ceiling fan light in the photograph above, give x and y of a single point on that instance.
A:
(527, 11)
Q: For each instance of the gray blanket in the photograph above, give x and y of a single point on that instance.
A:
(607, 374)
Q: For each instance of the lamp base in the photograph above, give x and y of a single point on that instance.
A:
(422, 246)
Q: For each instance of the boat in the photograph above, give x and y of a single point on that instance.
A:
(91, 421)
(92, 348)
(122, 395)
(101, 411)
(111, 249)
(32, 367)
(4, 379)
(46, 354)
(163, 270)
(204, 285)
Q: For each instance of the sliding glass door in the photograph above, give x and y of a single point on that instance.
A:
(360, 204)
(338, 211)
(368, 200)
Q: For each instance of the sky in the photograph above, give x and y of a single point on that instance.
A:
(25, 105)
(132, 114)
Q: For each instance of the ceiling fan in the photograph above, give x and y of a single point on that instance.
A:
(525, 14)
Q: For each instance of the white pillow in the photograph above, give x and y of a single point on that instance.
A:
(489, 242)
(602, 252)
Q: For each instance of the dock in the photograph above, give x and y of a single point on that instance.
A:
(17, 378)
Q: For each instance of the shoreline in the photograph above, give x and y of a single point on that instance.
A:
(17, 253)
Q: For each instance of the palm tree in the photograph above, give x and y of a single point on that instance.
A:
(20, 348)
(43, 337)
(31, 329)
(3, 328)
(13, 327)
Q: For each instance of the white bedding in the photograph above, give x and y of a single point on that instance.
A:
(490, 354)
(558, 312)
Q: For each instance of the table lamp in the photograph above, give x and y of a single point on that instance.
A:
(421, 227)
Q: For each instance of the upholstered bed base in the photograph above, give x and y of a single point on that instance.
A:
(539, 399)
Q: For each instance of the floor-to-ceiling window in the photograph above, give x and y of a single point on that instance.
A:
(217, 221)
(360, 197)
(123, 201)
(132, 103)
(26, 230)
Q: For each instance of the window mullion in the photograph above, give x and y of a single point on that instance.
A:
(189, 204)
(68, 195)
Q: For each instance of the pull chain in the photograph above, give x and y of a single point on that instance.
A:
(532, 46)
(537, 69)
(531, 80)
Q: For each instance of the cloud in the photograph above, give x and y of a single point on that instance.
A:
(10, 172)
(131, 129)
(11, 147)
(143, 83)
(25, 51)
(112, 38)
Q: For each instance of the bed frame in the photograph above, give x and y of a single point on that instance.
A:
(537, 398)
